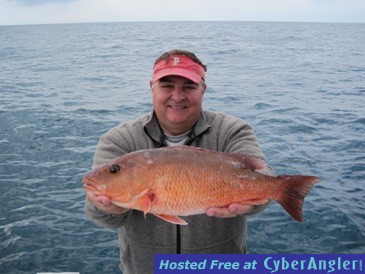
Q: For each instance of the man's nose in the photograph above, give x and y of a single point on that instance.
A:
(178, 94)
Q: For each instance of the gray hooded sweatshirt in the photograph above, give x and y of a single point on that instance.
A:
(139, 237)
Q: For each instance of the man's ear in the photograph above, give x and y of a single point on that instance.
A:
(152, 84)
(204, 87)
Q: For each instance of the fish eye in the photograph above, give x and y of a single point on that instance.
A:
(114, 169)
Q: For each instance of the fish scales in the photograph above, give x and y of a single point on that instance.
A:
(181, 181)
(186, 185)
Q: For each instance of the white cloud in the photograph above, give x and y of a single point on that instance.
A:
(14, 12)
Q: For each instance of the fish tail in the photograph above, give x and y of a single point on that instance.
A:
(296, 188)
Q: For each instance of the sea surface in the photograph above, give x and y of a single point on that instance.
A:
(300, 85)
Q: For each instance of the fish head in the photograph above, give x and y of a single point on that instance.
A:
(122, 180)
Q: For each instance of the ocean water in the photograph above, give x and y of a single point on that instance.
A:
(300, 85)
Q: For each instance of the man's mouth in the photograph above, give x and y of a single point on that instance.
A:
(176, 107)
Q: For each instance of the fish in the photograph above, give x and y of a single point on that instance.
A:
(170, 182)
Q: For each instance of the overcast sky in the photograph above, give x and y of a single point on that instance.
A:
(13, 12)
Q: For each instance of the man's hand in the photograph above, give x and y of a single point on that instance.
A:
(233, 210)
(103, 203)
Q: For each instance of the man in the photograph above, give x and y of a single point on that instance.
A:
(178, 86)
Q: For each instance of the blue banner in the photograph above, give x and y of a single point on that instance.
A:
(259, 263)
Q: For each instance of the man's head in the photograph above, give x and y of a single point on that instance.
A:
(179, 63)
(178, 86)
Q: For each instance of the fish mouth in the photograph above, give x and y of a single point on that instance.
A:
(91, 185)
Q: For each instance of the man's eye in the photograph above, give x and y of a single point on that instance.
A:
(169, 86)
(190, 87)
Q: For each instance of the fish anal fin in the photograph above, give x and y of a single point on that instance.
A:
(171, 219)
(254, 202)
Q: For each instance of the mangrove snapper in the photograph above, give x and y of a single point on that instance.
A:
(180, 181)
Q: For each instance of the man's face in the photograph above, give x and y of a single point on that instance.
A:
(177, 102)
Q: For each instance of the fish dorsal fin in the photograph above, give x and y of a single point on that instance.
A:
(251, 162)
(185, 147)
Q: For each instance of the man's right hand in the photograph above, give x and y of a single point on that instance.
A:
(104, 204)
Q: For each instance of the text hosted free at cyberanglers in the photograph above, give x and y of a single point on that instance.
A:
(259, 263)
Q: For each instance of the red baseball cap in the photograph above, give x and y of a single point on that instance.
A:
(179, 65)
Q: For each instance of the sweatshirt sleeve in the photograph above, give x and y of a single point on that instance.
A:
(108, 148)
(112, 221)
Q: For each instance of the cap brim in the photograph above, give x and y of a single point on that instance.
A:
(189, 74)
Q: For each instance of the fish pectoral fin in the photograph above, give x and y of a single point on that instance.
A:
(254, 202)
(145, 202)
(171, 219)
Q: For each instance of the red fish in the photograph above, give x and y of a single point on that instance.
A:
(180, 181)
